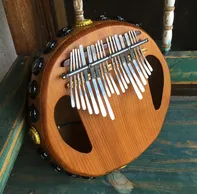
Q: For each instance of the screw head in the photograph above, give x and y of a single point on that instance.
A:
(37, 66)
(64, 31)
(50, 46)
(34, 135)
(33, 113)
(33, 89)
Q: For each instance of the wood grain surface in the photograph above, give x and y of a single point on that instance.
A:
(103, 132)
(169, 165)
(46, 26)
(22, 18)
(59, 16)
(33, 23)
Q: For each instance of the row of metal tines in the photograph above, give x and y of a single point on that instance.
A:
(129, 67)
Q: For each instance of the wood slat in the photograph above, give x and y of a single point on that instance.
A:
(183, 68)
(44, 11)
(34, 23)
(186, 89)
(22, 19)
(59, 12)
(13, 91)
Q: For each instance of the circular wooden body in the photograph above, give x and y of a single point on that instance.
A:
(114, 143)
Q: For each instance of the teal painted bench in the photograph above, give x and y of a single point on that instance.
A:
(12, 116)
(167, 166)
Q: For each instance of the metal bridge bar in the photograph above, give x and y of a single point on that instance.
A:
(65, 76)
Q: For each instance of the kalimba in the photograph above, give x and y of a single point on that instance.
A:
(98, 96)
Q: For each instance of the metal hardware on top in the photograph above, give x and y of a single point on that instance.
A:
(65, 76)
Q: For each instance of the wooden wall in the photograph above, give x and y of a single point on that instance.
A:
(7, 50)
(34, 23)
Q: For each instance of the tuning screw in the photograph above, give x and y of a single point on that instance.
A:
(119, 18)
(37, 65)
(50, 46)
(88, 178)
(64, 76)
(43, 154)
(75, 176)
(72, 175)
(33, 89)
(102, 18)
(64, 31)
(56, 167)
(33, 113)
(139, 25)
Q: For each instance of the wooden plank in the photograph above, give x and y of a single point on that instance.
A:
(186, 89)
(59, 14)
(181, 54)
(34, 23)
(182, 67)
(21, 16)
(169, 165)
(11, 157)
(13, 90)
(44, 10)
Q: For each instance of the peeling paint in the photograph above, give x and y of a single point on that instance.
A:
(187, 144)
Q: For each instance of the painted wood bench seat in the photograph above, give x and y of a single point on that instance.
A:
(169, 165)
(12, 117)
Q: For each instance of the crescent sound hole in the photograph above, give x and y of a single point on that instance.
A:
(70, 126)
(156, 81)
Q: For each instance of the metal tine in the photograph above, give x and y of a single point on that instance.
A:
(111, 114)
(117, 65)
(100, 55)
(133, 60)
(133, 41)
(122, 45)
(101, 105)
(79, 83)
(114, 67)
(75, 83)
(129, 74)
(94, 104)
(136, 39)
(83, 86)
(102, 72)
(107, 67)
(116, 49)
(71, 84)
(135, 54)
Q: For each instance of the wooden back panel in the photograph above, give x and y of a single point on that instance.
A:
(114, 143)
